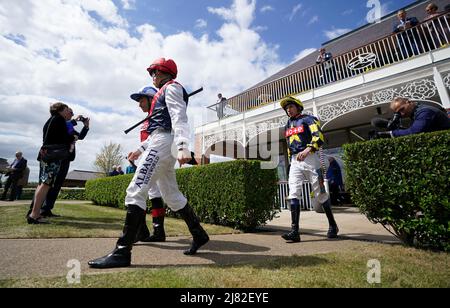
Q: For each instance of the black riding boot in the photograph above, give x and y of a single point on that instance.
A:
(143, 231)
(121, 255)
(200, 237)
(333, 229)
(158, 213)
(294, 235)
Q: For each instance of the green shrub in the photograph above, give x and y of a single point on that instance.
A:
(403, 184)
(109, 191)
(64, 194)
(72, 194)
(238, 194)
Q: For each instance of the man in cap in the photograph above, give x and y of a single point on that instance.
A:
(304, 138)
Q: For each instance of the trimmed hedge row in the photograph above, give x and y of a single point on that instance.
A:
(404, 183)
(238, 194)
(64, 194)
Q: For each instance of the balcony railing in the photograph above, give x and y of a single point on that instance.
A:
(425, 37)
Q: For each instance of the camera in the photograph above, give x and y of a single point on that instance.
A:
(395, 122)
(81, 119)
(385, 124)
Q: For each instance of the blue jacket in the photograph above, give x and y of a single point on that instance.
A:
(412, 20)
(303, 132)
(425, 119)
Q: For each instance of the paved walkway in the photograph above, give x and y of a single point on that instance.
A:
(34, 258)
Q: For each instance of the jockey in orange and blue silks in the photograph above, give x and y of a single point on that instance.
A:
(304, 139)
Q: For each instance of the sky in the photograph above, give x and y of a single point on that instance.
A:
(92, 54)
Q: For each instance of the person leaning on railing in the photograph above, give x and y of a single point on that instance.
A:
(407, 37)
(435, 34)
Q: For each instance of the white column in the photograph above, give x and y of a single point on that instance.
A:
(443, 93)
(244, 136)
(315, 110)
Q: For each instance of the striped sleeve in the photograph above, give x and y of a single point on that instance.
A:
(317, 138)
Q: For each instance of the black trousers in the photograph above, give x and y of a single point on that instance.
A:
(11, 182)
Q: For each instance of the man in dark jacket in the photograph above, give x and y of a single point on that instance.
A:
(14, 173)
(407, 37)
(424, 118)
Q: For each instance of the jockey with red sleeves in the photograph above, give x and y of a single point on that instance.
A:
(168, 127)
(145, 97)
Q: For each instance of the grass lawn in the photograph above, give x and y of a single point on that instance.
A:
(82, 221)
(400, 267)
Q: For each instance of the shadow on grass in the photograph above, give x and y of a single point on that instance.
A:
(253, 261)
(105, 220)
(88, 223)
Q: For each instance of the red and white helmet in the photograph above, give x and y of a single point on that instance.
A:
(168, 66)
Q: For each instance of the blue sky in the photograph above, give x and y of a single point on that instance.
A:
(92, 54)
(292, 25)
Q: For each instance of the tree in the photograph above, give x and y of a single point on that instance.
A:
(109, 156)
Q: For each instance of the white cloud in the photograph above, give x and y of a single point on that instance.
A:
(94, 64)
(334, 33)
(201, 23)
(294, 11)
(304, 53)
(385, 9)
(347, 12)
(313, 20)
(260, 28)
(266, 8)
(241, 12)
(128, 4)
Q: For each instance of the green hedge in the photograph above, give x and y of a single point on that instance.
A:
(64, 194)
(238, 194)
(404, 183)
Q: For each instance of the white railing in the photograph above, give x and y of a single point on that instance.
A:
(306, 203)
(425, 37)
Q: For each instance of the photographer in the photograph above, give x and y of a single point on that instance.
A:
(424, 118)
(54, 133)
(46, 210)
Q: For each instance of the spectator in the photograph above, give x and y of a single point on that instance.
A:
(55, 133)
(328, 70)
(131, 168)
(14, 173)
(119, 170)
(220, 107)
(433, 31)
(22, 182)
(407, 37)
(334, 176)
(114, 171)
(53, 193)
(424, 118)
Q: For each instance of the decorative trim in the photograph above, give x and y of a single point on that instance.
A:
(447, 81)
(226, 135)
(362, 61)
(420, 90)
(252, 130)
